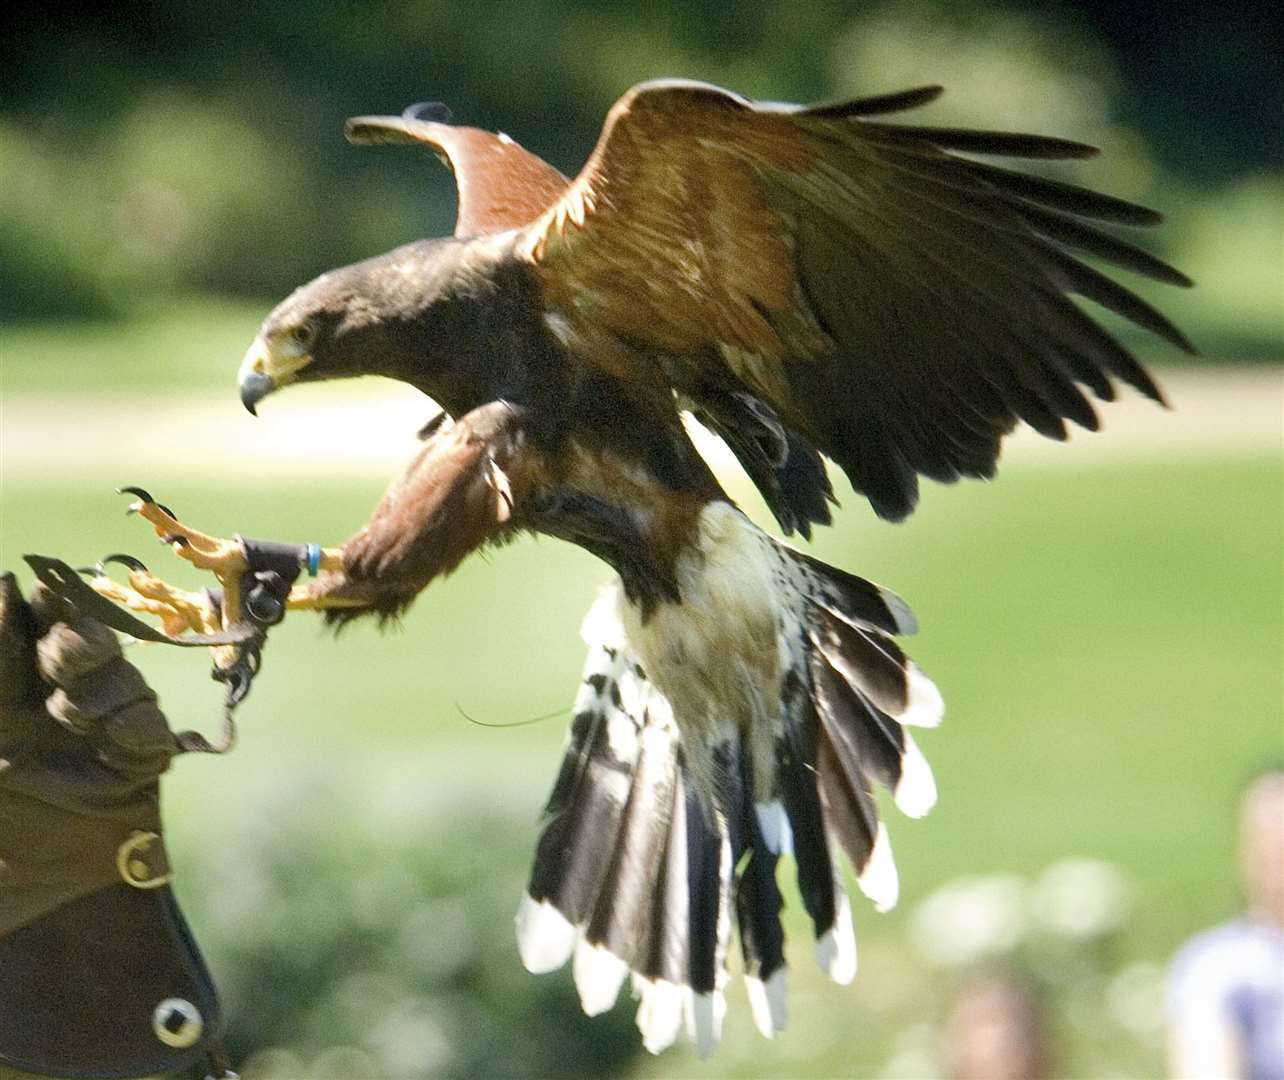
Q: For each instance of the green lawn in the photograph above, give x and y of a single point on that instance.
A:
(1108, 640)
(189, 343)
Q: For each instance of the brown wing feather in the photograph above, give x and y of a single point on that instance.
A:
(501, 186)
(899, 306)
(665, 238)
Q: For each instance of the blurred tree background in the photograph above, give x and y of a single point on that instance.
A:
(171, 146)
(168, 170)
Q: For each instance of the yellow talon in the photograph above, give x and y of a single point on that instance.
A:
(224, 558)
(180, 610)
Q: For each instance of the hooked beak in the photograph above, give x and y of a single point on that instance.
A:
(255, 386)
(261, 372)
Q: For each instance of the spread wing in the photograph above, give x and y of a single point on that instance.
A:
(501, 186)
(898, 306)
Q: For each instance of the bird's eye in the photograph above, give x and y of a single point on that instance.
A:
(305, 333)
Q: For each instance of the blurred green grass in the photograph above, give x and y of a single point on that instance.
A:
(187, 343)
(1108, 639)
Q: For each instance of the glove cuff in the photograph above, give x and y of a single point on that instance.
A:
(108, 985)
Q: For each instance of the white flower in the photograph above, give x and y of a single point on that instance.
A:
(1081, 898)
(1135, 998)
(971, 918)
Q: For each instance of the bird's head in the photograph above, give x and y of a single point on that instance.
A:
(384, 316)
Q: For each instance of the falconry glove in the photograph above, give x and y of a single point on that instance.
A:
(99, 974)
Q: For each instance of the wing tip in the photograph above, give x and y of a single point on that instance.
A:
(433, 112)
(367, 130)
(879, 104)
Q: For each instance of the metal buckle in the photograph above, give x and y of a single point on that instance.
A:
(132, 861)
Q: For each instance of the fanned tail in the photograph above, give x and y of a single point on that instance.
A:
(630, 875)
(641, 867)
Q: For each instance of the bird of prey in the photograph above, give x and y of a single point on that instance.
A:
(812, 283)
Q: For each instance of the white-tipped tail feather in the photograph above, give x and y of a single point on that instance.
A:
(836, 947)
(697, 759)
(545, 940)
(705, 1013)
(660, 1012)
(926, 706)
(915, 791)
(879, 880)
(768, 1001)
(599, 974)
(773, 824)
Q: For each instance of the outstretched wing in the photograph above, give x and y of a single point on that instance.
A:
(898, 306)
(501, 186)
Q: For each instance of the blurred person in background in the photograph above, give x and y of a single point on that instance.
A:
(996, 1030)
(1226, 987)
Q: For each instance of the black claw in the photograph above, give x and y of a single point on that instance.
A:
(174, 538)
(145, 496)
(239, 674)
(91, 571)
(125, 560)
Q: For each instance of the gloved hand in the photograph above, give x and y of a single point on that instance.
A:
(99, 975)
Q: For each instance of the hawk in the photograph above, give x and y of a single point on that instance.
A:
(813, 284)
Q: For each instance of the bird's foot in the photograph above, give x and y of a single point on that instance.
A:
(254, 585)
(226, 559)
(179, 610)
(255, 576)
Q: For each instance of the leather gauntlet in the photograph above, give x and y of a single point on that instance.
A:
(99, 974)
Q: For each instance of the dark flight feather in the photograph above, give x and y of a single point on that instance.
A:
(1002, 143)
(849, 810)
(796, 776)
(1066, 230)
(877, 104)
(1095, 286)
(1060, 195)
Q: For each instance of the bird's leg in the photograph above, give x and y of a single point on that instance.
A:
(229, 561)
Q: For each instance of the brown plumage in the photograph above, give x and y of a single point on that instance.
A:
(500, 185)
(457, 494)
(812, 284)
